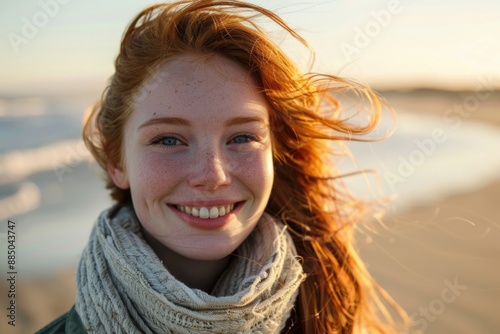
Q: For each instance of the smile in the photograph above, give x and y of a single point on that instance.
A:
(206, 212)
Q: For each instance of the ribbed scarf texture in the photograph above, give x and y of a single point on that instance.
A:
(123, 287)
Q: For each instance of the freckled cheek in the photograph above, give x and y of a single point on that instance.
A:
(155, 174)
(255, 169)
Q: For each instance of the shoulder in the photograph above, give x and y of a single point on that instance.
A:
(68, 323)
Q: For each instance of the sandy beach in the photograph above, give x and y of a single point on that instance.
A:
(439, 260)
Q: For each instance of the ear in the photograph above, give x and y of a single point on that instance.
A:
(118, 176)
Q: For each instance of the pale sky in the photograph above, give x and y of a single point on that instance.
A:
(61, 46)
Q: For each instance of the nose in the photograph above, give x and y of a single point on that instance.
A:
(209, 172)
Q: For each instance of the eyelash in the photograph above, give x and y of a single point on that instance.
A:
(249, 136)
(157, 140)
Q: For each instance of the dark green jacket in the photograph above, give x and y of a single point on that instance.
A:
(68, 323)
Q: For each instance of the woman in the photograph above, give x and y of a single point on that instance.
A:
(228, 219)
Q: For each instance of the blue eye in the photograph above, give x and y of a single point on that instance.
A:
(242, 139)
(169, 141)
(163, 140)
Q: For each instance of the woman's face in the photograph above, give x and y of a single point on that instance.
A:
(198, 156)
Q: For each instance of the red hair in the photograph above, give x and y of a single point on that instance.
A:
(339, 295)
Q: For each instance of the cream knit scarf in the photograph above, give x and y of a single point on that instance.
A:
(124, 288)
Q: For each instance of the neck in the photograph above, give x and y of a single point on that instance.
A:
(196, 274)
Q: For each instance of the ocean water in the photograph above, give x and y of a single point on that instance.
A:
(47, 185)
(425, 159)
(53, 193)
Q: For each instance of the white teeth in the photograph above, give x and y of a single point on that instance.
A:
(194, 212)
(204, 212)
(214, 212)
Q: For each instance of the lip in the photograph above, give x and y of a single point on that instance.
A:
(207, 223)
(206, 203)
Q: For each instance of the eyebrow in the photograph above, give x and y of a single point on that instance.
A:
(184, 122)
(243, 120)
(166, 120)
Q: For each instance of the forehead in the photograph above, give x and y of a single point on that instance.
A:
(197, 76)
